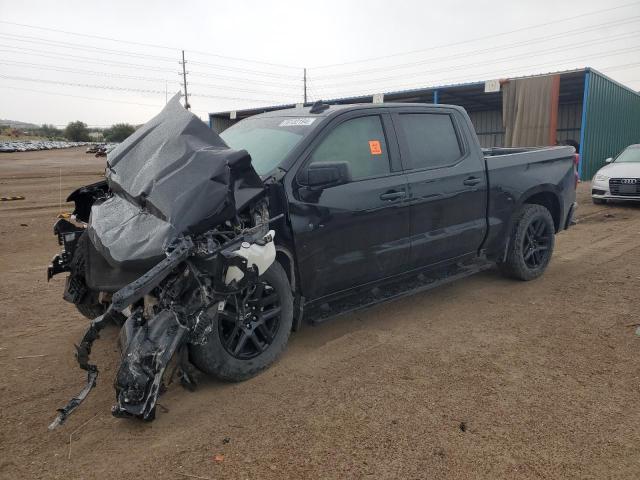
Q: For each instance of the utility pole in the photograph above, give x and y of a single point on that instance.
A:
(305, 85)
(184, 78)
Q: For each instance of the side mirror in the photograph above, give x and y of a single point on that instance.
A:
(608, 160)
(325, 174)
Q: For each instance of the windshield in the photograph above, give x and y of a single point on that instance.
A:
(268, 139)
(629, 155)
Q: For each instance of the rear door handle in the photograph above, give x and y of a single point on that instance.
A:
(472, 181)
(393, 195)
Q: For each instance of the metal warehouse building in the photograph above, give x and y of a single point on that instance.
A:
(581, 107)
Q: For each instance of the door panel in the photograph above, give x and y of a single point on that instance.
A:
(351, 234)
(447, 187)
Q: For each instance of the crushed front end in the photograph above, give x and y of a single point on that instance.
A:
(179, 229)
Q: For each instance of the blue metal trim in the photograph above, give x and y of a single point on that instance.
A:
(210, 121)
(583, 122)
(435, 96)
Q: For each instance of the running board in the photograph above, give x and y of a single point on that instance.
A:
(393, 291)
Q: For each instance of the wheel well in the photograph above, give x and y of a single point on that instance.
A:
(550, 202)
(285, 259)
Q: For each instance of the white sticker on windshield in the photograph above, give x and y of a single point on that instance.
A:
(297, 122)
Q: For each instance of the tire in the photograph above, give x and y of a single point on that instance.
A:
(598, 201)
(91, 310)
(218, 360)
(531, 243)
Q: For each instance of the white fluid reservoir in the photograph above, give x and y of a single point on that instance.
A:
(260, 256)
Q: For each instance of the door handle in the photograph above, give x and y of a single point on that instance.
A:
(393, 195)
(472, 181)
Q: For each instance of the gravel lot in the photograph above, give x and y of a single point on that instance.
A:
(485, 378)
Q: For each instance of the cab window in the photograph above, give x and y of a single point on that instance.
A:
(431, 138)
(361, 143)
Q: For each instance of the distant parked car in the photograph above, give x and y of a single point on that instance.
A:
(619, 179)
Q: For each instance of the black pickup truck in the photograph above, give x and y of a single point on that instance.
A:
(365, 202)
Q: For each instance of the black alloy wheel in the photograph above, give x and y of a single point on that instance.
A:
(536, 243)
(530, 243)
(249, 321)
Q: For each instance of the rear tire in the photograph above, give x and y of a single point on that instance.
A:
(217, 358)
(531, 243)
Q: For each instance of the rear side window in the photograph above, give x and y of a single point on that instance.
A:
(361, 143)
(431, 139)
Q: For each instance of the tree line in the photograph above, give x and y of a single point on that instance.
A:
(78, 132)
(75, 132)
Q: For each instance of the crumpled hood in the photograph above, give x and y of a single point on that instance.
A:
(173, 176)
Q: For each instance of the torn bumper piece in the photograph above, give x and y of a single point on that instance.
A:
(144, 362)
(121, 300)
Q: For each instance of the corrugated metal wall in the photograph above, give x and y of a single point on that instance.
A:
(220, 124)
(488, 125)
(612, 122)
(569, 120)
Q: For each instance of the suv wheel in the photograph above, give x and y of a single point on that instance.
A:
(531, 243)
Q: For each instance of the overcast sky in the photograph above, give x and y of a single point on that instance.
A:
(250, 53)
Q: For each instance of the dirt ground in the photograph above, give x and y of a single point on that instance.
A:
(485, 378)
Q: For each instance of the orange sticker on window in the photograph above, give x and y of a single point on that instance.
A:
(374, 147)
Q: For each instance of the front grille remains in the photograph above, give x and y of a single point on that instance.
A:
(624, 186)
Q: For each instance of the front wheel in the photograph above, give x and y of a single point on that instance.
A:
(251, 330)
(531, 243)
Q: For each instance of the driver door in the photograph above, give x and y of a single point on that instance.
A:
(356, 231)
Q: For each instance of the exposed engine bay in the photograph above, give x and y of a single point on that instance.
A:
(177, 231)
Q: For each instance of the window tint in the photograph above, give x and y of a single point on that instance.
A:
(361, 143)
(431, 139)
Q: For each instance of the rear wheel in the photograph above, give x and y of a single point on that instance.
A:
(251, 330)
(531, 243)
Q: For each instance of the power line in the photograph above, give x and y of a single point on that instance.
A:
(117, 88)
(132, 77)
(84, 72)
(85, 85)
(247, 80)
(129, 42)
(492, 62)
(446, 81)
(52, 43)
(244, 70)
(55, 43)
(137, 77)
(485, 37)
(237, 89)
(65, 56)
(80, 96)
(532, 41)
(270, 101)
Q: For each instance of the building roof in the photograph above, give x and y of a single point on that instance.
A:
(471, 95)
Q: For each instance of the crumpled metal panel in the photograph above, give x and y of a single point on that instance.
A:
(174, 175)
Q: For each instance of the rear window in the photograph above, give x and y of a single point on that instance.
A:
(431, 139)
(268, 139)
